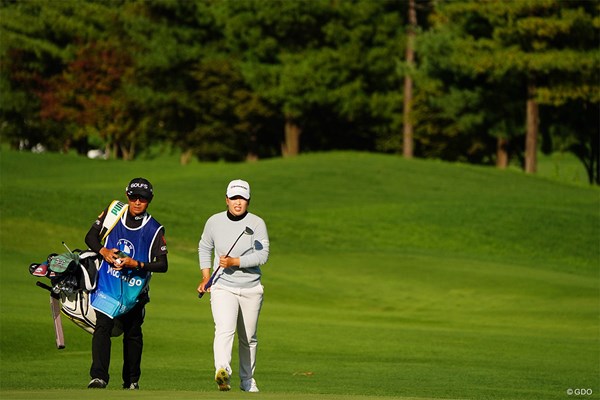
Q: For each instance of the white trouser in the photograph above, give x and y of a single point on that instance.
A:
(236, 308)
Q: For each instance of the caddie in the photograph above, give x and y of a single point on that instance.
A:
(132, 245)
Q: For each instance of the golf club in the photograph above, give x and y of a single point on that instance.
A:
(67, 247)
(55, 310)
(246, 231)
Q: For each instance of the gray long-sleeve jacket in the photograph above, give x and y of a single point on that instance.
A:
(220, 232)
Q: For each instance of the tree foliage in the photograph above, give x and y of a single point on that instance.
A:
(235, 80)
(542, 52)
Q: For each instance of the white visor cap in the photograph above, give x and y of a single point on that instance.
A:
(238, 187)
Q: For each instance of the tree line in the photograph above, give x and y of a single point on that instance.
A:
(489, 82)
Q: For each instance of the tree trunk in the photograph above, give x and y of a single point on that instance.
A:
(251, 157)
(66, 145)
(502, 153)
(107, 151)
(185, 157)
(291, 146)
(252, 154)
(596, 179)
(595, 160)
(131, 152)
(115, 150)
(125, 153)
(532, 129)
(407, 133)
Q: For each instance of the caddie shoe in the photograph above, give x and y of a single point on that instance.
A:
(131, 386)
(97, 383)
(222, 379)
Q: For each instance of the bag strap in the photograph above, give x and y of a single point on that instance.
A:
(114, 213)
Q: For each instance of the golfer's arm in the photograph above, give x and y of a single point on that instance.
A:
(205, 249)
(260, 255)
(205, 273)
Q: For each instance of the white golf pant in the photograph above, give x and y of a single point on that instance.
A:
(236, 308)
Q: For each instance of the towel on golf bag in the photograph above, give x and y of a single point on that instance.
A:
(77, 307)
(73, 276)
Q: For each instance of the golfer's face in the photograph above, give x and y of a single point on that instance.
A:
(237, 205)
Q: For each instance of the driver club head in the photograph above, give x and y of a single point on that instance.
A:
(248, 231)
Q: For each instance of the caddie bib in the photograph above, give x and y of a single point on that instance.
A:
(117, 291)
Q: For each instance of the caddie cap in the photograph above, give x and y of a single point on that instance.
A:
(141, 187)
(238, 187)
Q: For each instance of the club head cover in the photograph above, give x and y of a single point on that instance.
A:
(39, 269)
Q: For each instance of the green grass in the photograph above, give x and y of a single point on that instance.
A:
(563, 167)
(388, 278)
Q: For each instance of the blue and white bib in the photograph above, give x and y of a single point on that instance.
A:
(117, 291)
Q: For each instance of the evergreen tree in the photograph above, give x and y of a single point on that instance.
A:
(546, 49)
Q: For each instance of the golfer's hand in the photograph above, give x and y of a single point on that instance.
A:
(202, 286)
(226, 262)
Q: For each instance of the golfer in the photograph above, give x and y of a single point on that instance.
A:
(236, 293)
(134, 247)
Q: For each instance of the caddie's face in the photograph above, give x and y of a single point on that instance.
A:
(137, 205)
(237, 205)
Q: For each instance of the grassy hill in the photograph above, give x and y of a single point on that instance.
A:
(388, 278)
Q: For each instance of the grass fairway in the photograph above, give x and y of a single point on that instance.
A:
(388, 278)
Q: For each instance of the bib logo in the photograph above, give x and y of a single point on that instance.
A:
(126, 247)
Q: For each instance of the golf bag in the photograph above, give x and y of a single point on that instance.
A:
(72, 277)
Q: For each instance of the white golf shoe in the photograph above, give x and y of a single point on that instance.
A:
(249, 385)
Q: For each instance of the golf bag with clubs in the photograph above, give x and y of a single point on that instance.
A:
(72, 278)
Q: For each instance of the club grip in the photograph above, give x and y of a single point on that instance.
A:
(208, 284)
(43, 286)
(48, 288)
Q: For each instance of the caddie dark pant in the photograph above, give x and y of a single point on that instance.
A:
(132, 345)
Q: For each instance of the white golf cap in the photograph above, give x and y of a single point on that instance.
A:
(238, 187)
